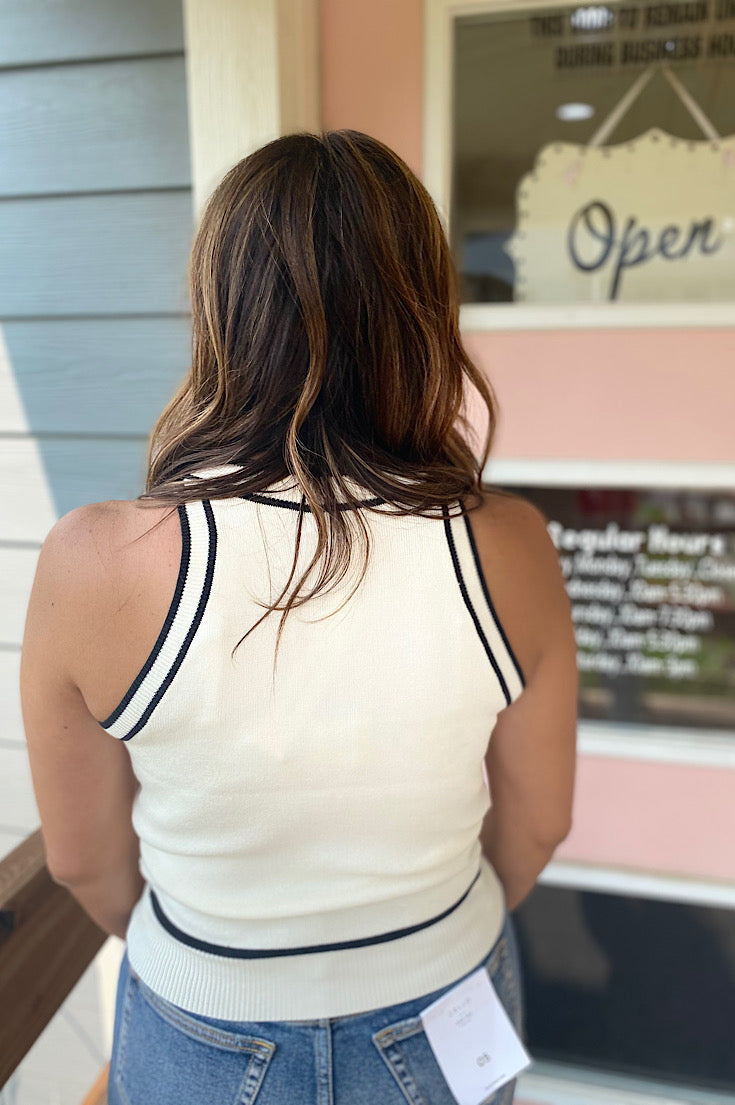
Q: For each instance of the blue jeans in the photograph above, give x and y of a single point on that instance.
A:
(166, 1055)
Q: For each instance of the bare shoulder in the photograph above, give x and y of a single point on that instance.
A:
(523, 573)
(105, 574)
(510, 513)
(94, 554)
(513, 531)
(96, 535)
(94, 551)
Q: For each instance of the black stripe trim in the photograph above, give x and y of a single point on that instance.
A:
(486, 592)
(289, 504)
(308, 949)
(470, 607)
(172, 610)
(268, 500)
(201, 606)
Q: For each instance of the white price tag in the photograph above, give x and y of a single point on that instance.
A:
(473, 1039)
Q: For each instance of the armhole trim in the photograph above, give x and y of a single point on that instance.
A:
(193, 587)
(491, 605)
(476, 597)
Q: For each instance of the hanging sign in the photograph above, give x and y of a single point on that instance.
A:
(651, 219)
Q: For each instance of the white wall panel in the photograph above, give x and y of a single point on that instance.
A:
(10, 839)
(28, 511)
(18, 809)
(17, 568)
(11, 722)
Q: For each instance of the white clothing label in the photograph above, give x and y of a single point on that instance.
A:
(473, 1039)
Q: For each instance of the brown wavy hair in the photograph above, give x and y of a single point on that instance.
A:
(325, 348)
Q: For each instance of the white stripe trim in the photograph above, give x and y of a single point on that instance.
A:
(484, 614)
(199, 540)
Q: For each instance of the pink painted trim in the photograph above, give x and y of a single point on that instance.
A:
(674, 819)
(615, 394)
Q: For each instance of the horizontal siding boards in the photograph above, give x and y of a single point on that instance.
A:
(108, 125)
(77, 470)
(93, 255)
(11, 727)
(19, 809)
(96, 222)
(28, 508)
(12, 415)
(38, 31)
(84, 470)
(73, 375)
(17, 568)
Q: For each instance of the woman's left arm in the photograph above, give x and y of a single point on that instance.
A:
(82, 776)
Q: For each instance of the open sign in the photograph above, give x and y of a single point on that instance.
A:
(648, 220)
(594, 230)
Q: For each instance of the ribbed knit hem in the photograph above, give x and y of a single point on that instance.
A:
(320, 984)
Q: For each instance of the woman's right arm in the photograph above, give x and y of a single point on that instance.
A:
(532, 751)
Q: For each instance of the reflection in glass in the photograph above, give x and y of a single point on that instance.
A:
(630, 985)
(517, 74)
(651, 578)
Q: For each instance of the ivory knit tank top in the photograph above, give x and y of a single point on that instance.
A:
(309, 836)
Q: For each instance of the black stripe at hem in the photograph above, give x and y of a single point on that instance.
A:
(201, 606)
(171, 614)
(470, 607)
(486, 593)
(307, 949)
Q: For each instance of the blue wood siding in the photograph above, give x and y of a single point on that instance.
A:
(38, 31)
(103, 126)
(96, 223)
(109, 374)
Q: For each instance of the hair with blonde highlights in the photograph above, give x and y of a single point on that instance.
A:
(325, 348)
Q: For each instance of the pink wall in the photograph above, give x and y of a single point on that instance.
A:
(667, 818)
(616, 394)
(372, 71)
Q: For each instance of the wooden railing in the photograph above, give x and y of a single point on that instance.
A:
(47, 941)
